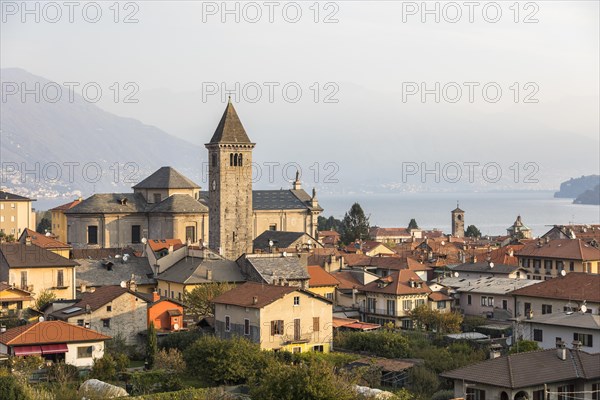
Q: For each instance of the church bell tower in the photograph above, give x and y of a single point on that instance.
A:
(230, 187)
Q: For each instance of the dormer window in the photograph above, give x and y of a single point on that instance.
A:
(123, 201)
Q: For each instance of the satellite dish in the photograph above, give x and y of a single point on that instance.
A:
(176, 327)
(309, 241)
(41, 319)
(491, 265)
(123, 284)
(203, 244)
(144, 240)
(455, 274)
(126, 257)
(443, 243)
(48, 234)
(563, 272)
(583, 308)
(284, 254)
(117, 256)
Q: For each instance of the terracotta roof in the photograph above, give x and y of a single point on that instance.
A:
(30, 256)
(166, 178)
(399, 284)
(41, 240)
(532, 368)
(571, 249)
(96, 300)
(243, 295)
(346, 280)
(439, 296)
(415, 265)
(576, 286)
(163, 244)
(13, 197)
(320, 277)
(49, 332)
(67, 206)
(328, 233)
(376, 231)
(230, 128)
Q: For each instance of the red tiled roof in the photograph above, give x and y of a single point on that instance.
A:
(162, 244)
(243, 295)
(399, 284)
(67, 206)
(571, 249)
(320, 277)
(49, 332)
(43, 241)
(376, 231)
(439, 296)
(576, 286)
(328, 233)
(346, 280)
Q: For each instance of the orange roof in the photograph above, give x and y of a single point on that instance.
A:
(49, 332)
(438, 296)
(43, 241)
(346, 280)
(398, 283)
(67, 206)
(570, 249)
(161, 244)
(328, 233)
(320, 277)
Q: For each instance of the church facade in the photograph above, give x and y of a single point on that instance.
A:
(168, 205)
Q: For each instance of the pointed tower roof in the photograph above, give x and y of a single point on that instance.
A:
(166, 178)
(230, 129)
(457, 209)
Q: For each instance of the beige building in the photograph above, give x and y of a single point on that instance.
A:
(59, 220)
(36, 269)
(167, 205)
(16, 214)
(13, 300)
(276, 317)
(46, 242)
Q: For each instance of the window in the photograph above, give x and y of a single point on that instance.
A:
(475, 394)
(190, 234)
(441, 304)
(92, 234)
(487, 301)
(227, 323)
(560, 266)
(318, 348)
(538, 395)
(277, 327)
(572, 266)
(60, 278)
(296, 300)
(419, 302)
(297, 329)
(596, 391)
(565, 392)
(19, 305)
(548, 265)
(273, 227)
(391, 307)
(24, 280)
(108, 308)
(316, 327)
(214, 160)
(407, 324)
(371, 303)
(537, 335)
(527, 308)
(297, 350)
(106, 323)
(585, 339)
(505, 304)
(246, 326)
(179, 296)
(172, 294)
(329, 296)
(469, 299)
(407, 304)
(136, 234)
(12, 205)
(157, 197)
(546, 308)
(84, 352)
(79, 322)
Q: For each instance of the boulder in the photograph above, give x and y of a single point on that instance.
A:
(95, 389)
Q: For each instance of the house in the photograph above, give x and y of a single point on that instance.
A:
(394, 235)
(547, 258)
(350, 284)
(489, 297)
(13, 300)
(55, 341)
(16, 214)
(536, 375)
(275, 269)
(439, 301)
(488, 269)
(36, 269)
(391, 298)
(519, 230)
(277, 241)
(59, 219)
(46, 241)
(322, 282)
(565, 293)
(329, 239)
(277, 317)
(568, 327)
(369, 248)
(589, 233)
(331, 259)
(121, 312)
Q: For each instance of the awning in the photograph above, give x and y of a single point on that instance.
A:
(27, 350)
(54, 348)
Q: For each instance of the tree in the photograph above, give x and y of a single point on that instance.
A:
(355, 225)
(199, 299)
(170, 360)
(442, 323)
(522, 346)
(43, 226)
(44, 298)
(329, 224)
(472, 231)
(413, 224)
(151, 346)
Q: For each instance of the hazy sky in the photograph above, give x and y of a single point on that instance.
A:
(370, 55)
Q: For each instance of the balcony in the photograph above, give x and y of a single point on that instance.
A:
(294, 339)
(379, 311)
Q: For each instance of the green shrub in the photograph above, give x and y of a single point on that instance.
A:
(62, 373)
(104, 369)
(13, 389)
(383, 343)
(155, 381)
(443, 395)
(188, 394)
(180, 340)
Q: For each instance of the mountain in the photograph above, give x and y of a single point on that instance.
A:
(575, 186)
(65, 144)
(591, 197)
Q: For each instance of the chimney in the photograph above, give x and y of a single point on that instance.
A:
(155, 296)
(511, 252)
(82, 288)
(297, 185)
(2, 329)
(92, 289)
(28, 240)
(255, 300)
(170, 249)
(576, 344)
(209, 274)
(131, 285)
(561, 350)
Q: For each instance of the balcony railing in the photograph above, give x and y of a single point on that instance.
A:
(379, 311)
(293, 339)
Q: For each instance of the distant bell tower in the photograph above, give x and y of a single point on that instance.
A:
(458, 222)
(230, 187)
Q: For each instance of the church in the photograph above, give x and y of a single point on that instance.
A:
(168, 205)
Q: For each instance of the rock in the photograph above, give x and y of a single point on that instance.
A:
(95, 389)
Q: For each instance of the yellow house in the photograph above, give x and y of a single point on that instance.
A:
(16, 214)
(59, 220)
(46, 242)
(276, 317)
(36, 269)
(13, 299)
(322, 282)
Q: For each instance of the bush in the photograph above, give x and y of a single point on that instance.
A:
(13, 389)
(382, 343)
(104, 369)
(170, 360)
(523, 346)
(156, 381)
(443, 395)
(180, 340)
(422, 381)
(62, 373)
(188, 394)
